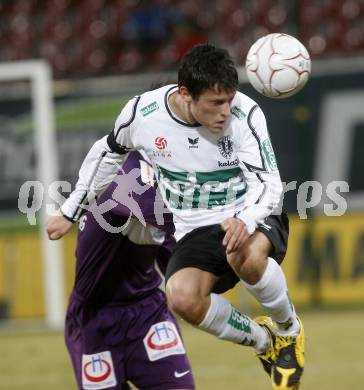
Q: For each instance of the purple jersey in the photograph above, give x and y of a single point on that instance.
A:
(115, 264)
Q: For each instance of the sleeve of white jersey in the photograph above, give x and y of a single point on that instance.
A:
(257, 160)
(102, 163)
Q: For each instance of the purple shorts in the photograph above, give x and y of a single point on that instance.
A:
(140, 343)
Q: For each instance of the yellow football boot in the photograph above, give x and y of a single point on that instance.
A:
(268, 357)
(287, 367)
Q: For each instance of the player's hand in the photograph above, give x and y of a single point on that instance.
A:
(236, 234)
(57, 227)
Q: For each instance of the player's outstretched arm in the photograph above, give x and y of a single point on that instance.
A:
(100, 166)
(97, 171)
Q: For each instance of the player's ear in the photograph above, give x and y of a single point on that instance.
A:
(185, 94)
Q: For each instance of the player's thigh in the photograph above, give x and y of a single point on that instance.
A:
(249, 262)
(191, 281)
(257, 247)
(270, 239)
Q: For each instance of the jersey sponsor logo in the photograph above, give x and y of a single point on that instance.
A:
(161, 143)
(225, 145)
(162, 153)
(149, 108)
(201, 190)
(98, 371)
(163, 340)
(236, 111)
(228, 163)
(193, 142)
(181, 374)
(269, 155)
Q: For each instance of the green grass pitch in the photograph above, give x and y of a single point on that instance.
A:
(32, 359)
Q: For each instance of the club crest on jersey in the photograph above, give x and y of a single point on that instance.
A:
(98, 371)
(225, 145)
(163, 340)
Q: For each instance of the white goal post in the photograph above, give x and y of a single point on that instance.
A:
(38, 73)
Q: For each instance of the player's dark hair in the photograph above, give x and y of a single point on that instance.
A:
(206, 66)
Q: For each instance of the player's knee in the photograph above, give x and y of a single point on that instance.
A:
(250, 263)
(185, 303)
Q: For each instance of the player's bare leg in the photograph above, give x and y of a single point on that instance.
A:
(189, 295)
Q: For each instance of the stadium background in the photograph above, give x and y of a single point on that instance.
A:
(102, 52)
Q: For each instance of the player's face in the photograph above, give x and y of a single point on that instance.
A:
(212, 108)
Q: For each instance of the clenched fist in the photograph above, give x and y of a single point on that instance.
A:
(57, 227)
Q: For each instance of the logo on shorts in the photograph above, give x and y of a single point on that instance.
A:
(163, 340)
(181, 374)
(265, 226)
(225, 145)
(98, 371)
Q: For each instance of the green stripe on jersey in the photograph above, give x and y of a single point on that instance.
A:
(202, 177)
(203, 190)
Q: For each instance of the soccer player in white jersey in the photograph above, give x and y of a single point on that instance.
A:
(216, 169)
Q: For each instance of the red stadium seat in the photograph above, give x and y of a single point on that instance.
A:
(84, 36)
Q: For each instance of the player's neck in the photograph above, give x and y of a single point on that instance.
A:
(180, 108)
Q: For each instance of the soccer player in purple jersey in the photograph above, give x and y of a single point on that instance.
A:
(118, 326)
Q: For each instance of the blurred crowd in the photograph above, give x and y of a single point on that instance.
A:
(92, 37)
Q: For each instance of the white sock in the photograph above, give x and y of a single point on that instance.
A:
(271, 292)
(225, 322)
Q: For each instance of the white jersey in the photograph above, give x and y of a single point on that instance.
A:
(204, 177)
